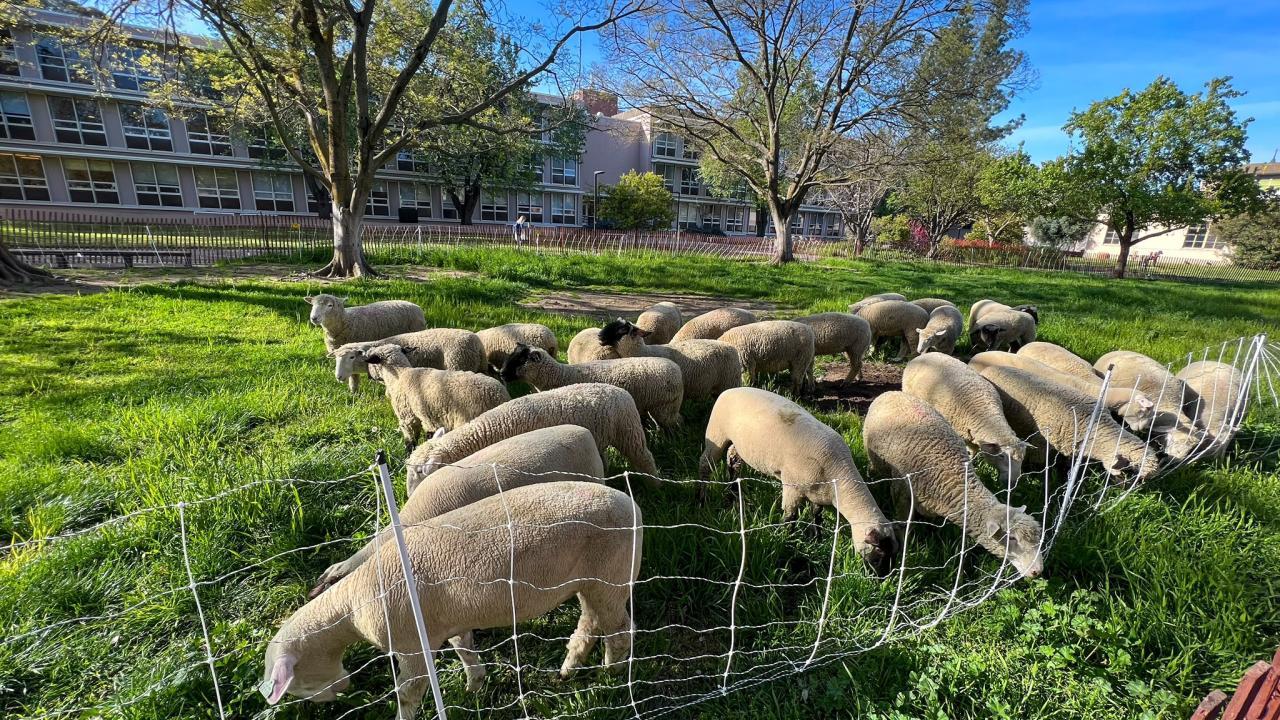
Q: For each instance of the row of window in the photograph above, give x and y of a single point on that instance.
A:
(131, 67)
(668, 145)
(1197, 237)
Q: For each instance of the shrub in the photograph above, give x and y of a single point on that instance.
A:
(1254, 239)
(638, 202)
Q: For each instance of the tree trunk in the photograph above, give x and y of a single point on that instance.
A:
(761, 210)
(348, 246)
(783, 251)
(466, 204)
(15, 272)
(1122, 263)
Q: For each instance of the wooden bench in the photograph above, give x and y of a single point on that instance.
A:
(62, 257)
(1256, 698)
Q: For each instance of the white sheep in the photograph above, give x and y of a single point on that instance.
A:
(707, 367)
(1219, 386)
(1060, 359)
(1177, 404)
(873, 299)
(374, 321)
(931, 304)
(1132, 408)
(662, 321)
(779, 438)
(837, 332)
(607, 411)
(909, 442)
(971, 405)
(586, 347)
(654, 383)
(1003, 328)
(429, 398)
(571, 538)
(712, 324)
(441, 348)
(979, 308)
(943, 330)
(895, 318)
(500, 341)
(1053, 415)
(553, 454)
(771, 346)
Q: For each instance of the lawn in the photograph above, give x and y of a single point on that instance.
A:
(145, 397)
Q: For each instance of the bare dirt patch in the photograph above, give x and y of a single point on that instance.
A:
(834, 394)
(609, 304)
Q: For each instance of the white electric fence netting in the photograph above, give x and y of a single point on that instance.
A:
(727, 594)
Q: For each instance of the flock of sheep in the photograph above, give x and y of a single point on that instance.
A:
(513, 486)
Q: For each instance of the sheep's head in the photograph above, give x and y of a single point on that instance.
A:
(1031, 310)
(421, 462)
(878, 546)
(1139, 464)
(347, 362)
(929, 339)
(325, 307)
(514, 368)
(386, 355)
(622, 336)
(1006, 457)
(1011, 532)
(1138, 413)
(991, 335)
(303, 672)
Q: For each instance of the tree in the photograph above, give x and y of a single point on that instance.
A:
(866, 198)
(1010, 189)
(940, 191)
(364, 79)
(1254, 237)
(1157, 157)
(1060, 233)
(638, 202)
(769, 87)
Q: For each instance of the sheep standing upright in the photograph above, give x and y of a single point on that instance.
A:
(895, 318)
(374, 321)
(910, 443)
(998, 329)
(586, 347)
(499, 342)
(779, 438)
(772, 346)
(980, 308)
(662, 321)
(425, 397)
(440, 348)
(712, 324)
(943, 330)
(837, 332)
(557, 539)
(707, 367)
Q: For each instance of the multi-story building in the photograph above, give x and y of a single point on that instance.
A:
(84, 135)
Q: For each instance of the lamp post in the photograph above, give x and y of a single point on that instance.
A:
(595, 203)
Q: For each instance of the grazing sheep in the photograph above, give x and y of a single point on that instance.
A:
(570, 538)
(424, 397)
(904, 437)
(708, 367)
(500, 341)
(931, 304)
(1219, 386)
(778, 438)
(374, 321)
(873, 299)
(895, 318)
(1003, 328)
(441, 348)
(1060, 359)
(1057, 416)
(837, 332)
(772, 346)
(654, 383)
(586, 347)
(711, 325)
(1132, 408)
(1151, 378)
(972, 407)
(662, 321)
(943, 330)
(1031, 310)
(607, 411)
(982, 307)
(554, 454)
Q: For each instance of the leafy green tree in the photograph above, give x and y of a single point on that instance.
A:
(940, 191)
(1060, 232)
(1156, 157)
(1254, 237)
(1010, 189)
(640, 201)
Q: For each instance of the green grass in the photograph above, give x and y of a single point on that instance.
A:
(139, 398)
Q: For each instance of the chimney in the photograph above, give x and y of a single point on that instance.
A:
(597, 101)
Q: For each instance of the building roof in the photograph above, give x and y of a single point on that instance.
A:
(1264, 170)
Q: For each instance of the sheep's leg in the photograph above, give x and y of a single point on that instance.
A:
(462, 645)
(583, 638)
(413, 683)
(353, 382)
(411, 430)
(668, 417)
(901, 497)
(855, 366)
(792, 497)
(630, 442)
(713, 449)
(608, 608)
(733, 465)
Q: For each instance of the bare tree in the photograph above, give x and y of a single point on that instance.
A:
(768, 88)
(862, 199)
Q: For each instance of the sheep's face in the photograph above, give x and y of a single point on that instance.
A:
(1138, 413)
(523, 360)
(348, 362)
(929, 340)
(324, 307)
(878, 547)
(1007, 458)
(305, 675)
(1018, 536)
(1185, 441)
(624, 337)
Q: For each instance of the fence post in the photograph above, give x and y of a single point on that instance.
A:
(411, 583)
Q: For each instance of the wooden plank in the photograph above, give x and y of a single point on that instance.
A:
(1247, 690)
(1266, 690)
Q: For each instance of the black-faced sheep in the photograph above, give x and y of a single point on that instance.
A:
(707, 367)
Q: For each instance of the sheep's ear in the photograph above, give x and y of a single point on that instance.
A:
(343, 299)
(281, 677)
(311, 299)
(373, 359)
(990, 448)
(439, 433)
(1145, 403)
(993, 528)
(1022, 509)
(940, 333)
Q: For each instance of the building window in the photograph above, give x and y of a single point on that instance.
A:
(379, 201)
(264, 145)
(493, 207)
(418, 196)
(796, 223)
(535, 168)
(689, 217)
(208, 135)
(91, 181)
(272, 192)
(77, 121)
(530, 206)
(15, 117)
(22, 178)
(62, 64)
(689, 151)
(711, 218)
(688, 181)
(217, 189)
(448, 211)
(1112, 238)
(564, 209)
(564, 171)
(669, 173)
(8, 53)
(665, 145)
(145, 128)
(833, 226)
(411, 161)
(131, 69)
(588, 212)
(157, 185)
(733, 220)
(1200, 237)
